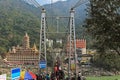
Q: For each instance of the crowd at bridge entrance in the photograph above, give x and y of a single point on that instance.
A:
(59, 74)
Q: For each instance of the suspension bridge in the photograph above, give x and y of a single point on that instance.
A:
(70, 32)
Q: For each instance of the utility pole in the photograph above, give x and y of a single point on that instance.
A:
(57, 18)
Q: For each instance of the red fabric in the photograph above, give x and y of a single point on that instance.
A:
(55, 68)
(33, 75)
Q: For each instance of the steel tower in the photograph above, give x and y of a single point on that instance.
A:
(42, 56)
(72, 41)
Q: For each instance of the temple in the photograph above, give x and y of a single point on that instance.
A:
(23, 55)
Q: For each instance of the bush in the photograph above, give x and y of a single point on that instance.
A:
(108, 61)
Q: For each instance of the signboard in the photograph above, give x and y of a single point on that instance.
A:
(15, 73)
(42, 64)
(3, 77)
(72, 65)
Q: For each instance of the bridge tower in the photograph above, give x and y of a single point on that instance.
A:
(42, 56)
(72, 42)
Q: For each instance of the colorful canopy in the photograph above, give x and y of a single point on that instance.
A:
(27, 75)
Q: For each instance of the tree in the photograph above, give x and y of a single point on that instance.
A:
(104, 24)
(107, 61)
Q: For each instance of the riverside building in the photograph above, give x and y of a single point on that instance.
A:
(23, 55)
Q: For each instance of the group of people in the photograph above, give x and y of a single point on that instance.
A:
(58, 74)
(53, 76)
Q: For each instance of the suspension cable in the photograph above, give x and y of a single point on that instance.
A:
(35, 3)
(79, 3)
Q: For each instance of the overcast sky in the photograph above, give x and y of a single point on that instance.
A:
(42, 2)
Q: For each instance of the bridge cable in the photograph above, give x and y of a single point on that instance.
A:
(79, 3)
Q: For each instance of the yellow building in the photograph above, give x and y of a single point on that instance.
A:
(23, 55)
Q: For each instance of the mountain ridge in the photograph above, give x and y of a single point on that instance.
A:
(18, 17)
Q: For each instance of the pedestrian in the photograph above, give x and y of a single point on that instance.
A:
(47, 77)
(61, 74)
(53, 76)
(79, 76)
(83, 78)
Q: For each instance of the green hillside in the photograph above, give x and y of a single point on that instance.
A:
(18, 17)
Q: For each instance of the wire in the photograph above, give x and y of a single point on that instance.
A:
(79, 3)
(36, 4)
(31, 2)
(28, 1)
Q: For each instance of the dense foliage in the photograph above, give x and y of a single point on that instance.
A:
(109, 61)
(104, 24)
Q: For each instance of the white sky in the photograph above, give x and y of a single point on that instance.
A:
(42, 2)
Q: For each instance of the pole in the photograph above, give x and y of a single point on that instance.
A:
(57, 24)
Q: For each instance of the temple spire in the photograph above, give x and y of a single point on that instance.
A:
(34, 47)
(26, 42)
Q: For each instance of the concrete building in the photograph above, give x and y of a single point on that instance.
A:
(80, 46)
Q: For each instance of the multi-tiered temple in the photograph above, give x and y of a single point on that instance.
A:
(23, 55)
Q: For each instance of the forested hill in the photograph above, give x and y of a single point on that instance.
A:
(62, 8)
(18, 17)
